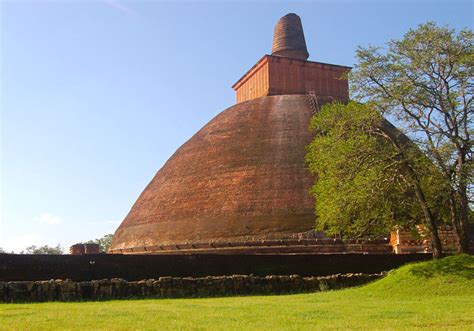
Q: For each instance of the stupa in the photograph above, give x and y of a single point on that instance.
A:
(240, 184)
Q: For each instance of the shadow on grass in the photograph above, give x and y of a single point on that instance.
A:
(460, 265)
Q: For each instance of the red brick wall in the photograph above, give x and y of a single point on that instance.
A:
(290, 76)
(77, 249)
(91, 249)
(274, 75)
(80, 249)
(405, 242)
(255, 85)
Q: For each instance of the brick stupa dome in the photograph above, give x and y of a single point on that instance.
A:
(241, 182)
(242, 177)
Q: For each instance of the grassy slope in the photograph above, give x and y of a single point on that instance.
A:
(429, 295)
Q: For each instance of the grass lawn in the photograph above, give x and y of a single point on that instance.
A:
(428, 295)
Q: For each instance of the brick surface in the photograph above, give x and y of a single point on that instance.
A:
(242, 177)
(274, 75)
(288, 38)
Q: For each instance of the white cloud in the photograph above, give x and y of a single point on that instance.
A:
(117, 5)
(47, 218)
(19, 243)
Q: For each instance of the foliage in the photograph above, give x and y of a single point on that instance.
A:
(44, 249)
(425, 82)
(362, 188)
(404, 300)
(104, 242)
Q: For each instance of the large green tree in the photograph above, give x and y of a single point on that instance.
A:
(104, 242)
(425, 83)
(367, 182)
(44, 249)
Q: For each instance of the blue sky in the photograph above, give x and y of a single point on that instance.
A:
(97, 95)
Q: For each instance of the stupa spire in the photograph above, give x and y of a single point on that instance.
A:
(288, 38)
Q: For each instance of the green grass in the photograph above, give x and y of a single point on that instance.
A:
(429, 295)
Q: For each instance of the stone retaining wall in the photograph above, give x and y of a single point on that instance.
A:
(174, 287)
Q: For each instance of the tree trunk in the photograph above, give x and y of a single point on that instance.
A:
(462, 242)
(463, 203)
(398, 140)
(436, 247)
(455, 220)
(463, 219)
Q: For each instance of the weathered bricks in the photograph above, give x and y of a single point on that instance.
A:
(242, 177)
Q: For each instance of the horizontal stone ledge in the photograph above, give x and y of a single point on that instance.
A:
(175, 287)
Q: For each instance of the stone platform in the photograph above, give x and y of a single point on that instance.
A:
(282, 246)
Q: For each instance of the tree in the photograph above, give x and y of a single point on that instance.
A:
(44, 249)
(104, 242)
(425, 82)
(365, 185)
